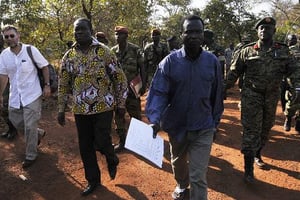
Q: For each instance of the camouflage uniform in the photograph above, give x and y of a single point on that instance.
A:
(131, 61)
(291, 109)
(153, 55)
(263, 72)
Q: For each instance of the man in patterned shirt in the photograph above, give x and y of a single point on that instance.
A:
(90, 72)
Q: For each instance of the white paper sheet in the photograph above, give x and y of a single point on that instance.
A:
(139, 140)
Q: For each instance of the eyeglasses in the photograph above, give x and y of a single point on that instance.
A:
(11, 36)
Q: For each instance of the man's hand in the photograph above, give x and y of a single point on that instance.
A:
(61, 118)
(155, 128)
(47, 91)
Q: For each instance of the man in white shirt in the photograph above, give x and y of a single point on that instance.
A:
(25, 100)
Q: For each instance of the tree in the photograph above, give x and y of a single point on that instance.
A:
(229, 20)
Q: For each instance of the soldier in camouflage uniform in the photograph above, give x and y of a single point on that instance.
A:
(154, 52)
(292, 109)
(12, 131)
(263, 63)
(131, 59)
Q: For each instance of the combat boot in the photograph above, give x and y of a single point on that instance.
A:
(248, 166)
(120, 147)
(287, 123)
(258, 160)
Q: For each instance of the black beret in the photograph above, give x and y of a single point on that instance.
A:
(208, 33)
(266, 20)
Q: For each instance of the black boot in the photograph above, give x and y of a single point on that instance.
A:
(287, 123)
(297, 126)
(119, 147)
(258, 160)
(248, 165)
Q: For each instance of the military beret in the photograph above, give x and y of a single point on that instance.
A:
(266, 20)
(100, 35)
(155, 31)
(121, 29)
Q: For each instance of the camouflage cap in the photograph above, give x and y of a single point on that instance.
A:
(121, 29)
(266, 20)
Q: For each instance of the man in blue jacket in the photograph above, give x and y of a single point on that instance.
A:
(186, 99)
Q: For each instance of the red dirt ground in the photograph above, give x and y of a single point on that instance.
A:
(58, 172)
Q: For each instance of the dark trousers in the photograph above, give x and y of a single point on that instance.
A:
(94, 130)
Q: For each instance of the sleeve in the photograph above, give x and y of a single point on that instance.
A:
(64, 84)
(236, 69)
(157, 99)
(3, 69)
(39, 58)
(217, 95)
(118, 78)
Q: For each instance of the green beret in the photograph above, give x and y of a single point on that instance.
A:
(266, 20)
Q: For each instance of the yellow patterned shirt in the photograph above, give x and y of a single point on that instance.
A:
(94, 79)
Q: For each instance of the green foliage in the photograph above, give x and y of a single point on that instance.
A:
(48, 24)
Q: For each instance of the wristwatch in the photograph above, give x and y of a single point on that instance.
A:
(47, 84)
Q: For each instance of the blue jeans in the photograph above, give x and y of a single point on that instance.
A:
(189, 159)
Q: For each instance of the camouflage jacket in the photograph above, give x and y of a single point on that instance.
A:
(295, 51)
(263, 70)
(153, 55)
(93, 78)
(131, 60)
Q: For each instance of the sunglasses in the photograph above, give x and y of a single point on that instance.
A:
(11, 36)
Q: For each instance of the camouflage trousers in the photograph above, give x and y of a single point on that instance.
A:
(257, 116)
(291, 109)
(133, 107)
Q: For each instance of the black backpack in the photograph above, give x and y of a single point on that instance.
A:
(52, 73)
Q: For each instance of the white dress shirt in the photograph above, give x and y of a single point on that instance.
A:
(24, 82)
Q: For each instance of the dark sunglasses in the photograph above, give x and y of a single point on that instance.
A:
(11, 36)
